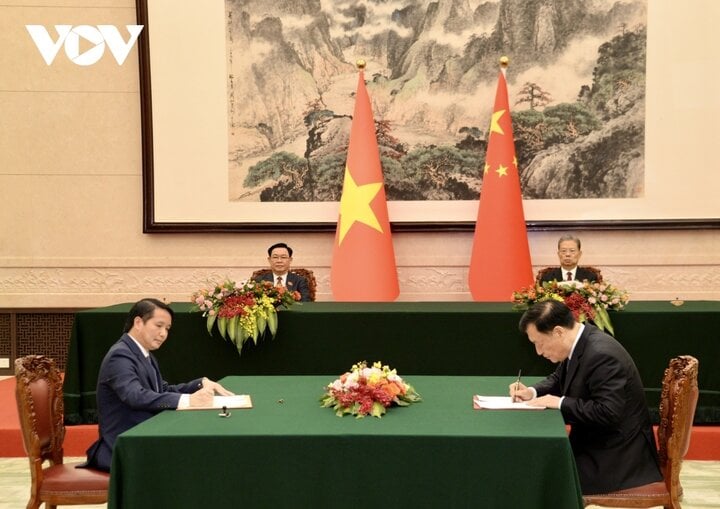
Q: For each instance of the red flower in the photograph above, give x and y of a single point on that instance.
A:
(579, 306)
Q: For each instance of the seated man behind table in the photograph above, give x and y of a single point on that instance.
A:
(130, 388)
(598, 390)
(280, 258)
(569, 254)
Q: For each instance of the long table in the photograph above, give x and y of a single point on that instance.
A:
(288, 452)
(420, 338)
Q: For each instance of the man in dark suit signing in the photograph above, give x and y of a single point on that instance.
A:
(280, 258)
(569, 254)
(130, 388)
(598, 390)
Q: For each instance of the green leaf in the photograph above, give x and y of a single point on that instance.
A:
(605, 317)
(210, 322)
(377, 409)
(261, 324)
(272, 322)
(256, 334)
(232, 327)
(222, 326)
(242, 336)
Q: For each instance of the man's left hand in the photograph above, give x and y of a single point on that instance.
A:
(216, 388)
(547, 401)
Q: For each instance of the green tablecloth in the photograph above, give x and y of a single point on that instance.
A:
(425, 338)
(295, 454)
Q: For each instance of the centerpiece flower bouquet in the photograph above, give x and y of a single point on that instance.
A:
(368, 391)
(588, 301)
(243, 311)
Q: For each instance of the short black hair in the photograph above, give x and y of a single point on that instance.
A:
(144, 309)
(547, 315)
(281, 245)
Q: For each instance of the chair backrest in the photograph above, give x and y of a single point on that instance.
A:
(598, 274)
(306, 273)
(39, 397)
(677, 409)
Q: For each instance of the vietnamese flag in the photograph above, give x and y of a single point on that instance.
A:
(363, 262)
(500, 261)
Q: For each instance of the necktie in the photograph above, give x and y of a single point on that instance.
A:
(569, 276)
(154, 374)
(279, 281)
(566, 375)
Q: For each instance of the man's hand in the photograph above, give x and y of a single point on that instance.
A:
(201, 397)
(518, 392)
(216, 388)
(547, 401)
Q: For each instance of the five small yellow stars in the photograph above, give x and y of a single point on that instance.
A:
(355, 205)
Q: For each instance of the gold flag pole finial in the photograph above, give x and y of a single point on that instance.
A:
(504, 62)
(360, 64)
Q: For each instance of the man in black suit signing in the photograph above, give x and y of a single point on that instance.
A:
(280, 258)
(569, 254)
(598, 390)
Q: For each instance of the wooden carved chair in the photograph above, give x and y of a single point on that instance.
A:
(40, 408)
(306, 273)
(677, 409)
(542, 272)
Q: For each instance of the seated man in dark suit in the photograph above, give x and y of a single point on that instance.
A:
(280, 258)
(598, 390)
(569, 254)
(130, 388)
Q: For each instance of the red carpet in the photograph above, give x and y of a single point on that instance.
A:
(77, 438)
(704, 443)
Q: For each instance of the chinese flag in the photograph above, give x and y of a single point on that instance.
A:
(363, 262)
(500, 261)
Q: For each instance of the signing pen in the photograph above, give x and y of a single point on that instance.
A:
(517, 382)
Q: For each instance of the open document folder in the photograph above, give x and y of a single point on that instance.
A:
(500, 403)
(236, 401)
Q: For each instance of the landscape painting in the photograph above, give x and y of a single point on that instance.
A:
(576, 82)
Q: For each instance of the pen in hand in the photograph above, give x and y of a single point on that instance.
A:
(517, 385)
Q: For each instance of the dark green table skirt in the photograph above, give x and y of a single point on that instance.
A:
(425, 338)
(288, 452)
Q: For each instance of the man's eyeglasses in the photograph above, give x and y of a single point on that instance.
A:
(279, 257)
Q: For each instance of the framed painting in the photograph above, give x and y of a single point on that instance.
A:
(246, 108)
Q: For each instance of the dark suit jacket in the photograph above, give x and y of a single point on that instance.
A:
(129, 392)
(611, 435)
(295, 283)
(559, 275)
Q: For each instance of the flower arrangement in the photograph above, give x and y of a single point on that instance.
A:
(588, 301)
(243, 311)
(368, 391)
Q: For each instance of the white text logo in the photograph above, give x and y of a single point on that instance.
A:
(69, 36)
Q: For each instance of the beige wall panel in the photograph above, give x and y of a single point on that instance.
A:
(71, 133)
(71, 3)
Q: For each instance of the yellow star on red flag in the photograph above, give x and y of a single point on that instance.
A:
(495, 122)
(363, 261)
(355, 205)
(500, 220)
